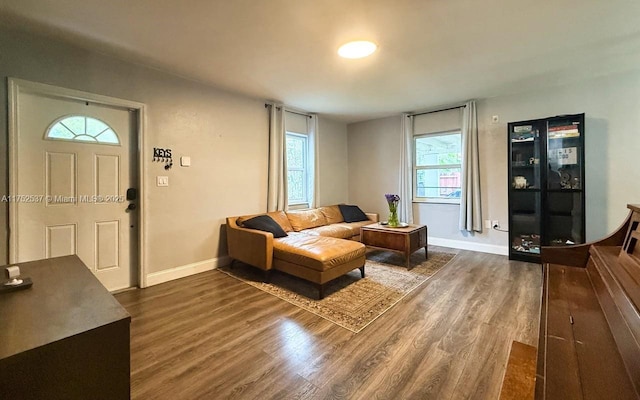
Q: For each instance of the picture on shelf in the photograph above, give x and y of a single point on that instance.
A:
(524, 136)
(564, 156)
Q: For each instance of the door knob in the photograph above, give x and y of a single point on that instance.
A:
(131, 207)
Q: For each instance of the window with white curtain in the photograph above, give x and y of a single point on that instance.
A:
(299, 176)
(437, 159)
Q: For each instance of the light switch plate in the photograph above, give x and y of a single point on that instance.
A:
(185, 161)
(162, 180)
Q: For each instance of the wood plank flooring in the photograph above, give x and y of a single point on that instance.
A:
(210, 336)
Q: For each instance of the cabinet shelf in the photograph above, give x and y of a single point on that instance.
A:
(564, 190)
(561, 213)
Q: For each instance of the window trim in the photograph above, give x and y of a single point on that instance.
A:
(415, 169)
(300, 205)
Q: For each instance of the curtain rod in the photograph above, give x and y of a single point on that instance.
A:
(293, 112)
(435, 111)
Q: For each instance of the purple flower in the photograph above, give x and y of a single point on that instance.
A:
(392, 198)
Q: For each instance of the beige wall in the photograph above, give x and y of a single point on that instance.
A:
(333, 164)
(612, 107)
(225, 134)
(374, 162)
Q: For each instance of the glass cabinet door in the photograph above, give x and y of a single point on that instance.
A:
(564, 221)
(525, 180)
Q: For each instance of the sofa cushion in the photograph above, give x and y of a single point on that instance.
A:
(306, 219)
(317, 252)
(265, 223)
(332, 214)
(279, 216)
(333, 230)
(352, 213)
(353, 227)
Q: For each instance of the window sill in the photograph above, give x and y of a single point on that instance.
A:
(437, 201)
(302, 206)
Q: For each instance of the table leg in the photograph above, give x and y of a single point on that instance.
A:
(426, 254)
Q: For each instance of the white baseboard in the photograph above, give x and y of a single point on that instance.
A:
(182, 271)
(464, 245)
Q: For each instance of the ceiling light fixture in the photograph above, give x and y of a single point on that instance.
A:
(357, 49)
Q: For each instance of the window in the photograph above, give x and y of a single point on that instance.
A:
(79, 128)
(299, 178)
(436, 168)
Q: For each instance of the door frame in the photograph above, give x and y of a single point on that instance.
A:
(17, 86)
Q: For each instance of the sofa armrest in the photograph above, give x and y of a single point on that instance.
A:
(373, 217)
(250, 246)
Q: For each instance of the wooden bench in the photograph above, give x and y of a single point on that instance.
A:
(589, 343)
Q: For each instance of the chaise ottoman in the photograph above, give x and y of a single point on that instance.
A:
(318, 259)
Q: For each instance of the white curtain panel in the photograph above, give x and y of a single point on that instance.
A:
(470, 207)
(313, 161)
(277, 185)
(405, 207)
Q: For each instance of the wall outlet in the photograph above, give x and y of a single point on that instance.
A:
(495, 224)
(487, 223)
(162, 180)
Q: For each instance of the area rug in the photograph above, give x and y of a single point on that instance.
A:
(351, 302)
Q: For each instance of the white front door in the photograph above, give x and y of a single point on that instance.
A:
(74, 166)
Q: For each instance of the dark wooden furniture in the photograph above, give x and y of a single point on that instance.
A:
(520, 375)
(402, 240)
(546, 185)
(590, 322)
(66, 337)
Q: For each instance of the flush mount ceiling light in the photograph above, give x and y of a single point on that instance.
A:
(357, 49)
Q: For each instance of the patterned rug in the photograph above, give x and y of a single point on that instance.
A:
(351, 302)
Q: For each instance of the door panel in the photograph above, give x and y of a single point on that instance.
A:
(61, 240)
(79, 185)
(60, 178)
(107, 177)
(107, 245)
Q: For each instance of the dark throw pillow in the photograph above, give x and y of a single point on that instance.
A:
(352, 213)
(265, 223)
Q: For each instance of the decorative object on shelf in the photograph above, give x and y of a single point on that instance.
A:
(519, 182)
(393, 200)
(163, 155)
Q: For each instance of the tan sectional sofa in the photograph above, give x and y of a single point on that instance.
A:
(319, 247)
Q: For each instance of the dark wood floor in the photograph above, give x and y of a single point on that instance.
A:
(211, 336)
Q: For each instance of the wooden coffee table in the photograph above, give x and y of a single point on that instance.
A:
(401, 240)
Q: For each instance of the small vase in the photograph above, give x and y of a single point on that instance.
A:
(393, 218)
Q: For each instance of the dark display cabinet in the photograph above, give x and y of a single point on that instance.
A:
(546, 185)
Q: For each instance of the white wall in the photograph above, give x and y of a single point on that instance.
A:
(612, 107)
(225, 134)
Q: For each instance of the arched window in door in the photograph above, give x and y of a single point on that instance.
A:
(79, 128)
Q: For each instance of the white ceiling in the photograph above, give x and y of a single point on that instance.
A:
(431, 52)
